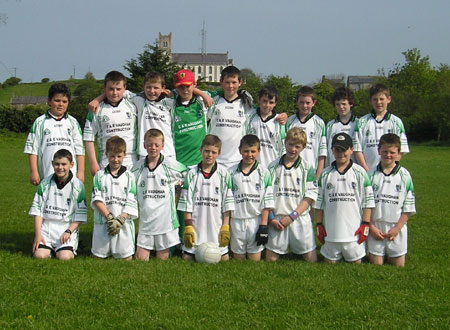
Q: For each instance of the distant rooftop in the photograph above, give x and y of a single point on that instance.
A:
(360, 79)
(198, 58)
(18, 100)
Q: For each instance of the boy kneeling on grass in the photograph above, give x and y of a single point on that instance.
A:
(59, 207)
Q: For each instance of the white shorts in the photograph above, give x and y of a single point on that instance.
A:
(52, 231)
(243, 234)
(350, 251)
(396, 248)
(299, 236)
(158, 242)
(119, 246)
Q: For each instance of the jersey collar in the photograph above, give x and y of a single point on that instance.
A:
(296, 163)
(49, 115)
(62, 184)
(192, 101)
(349, 166)
(122, 170)
(387, 115)
(307, 117)
(160, 98)
(352, 119)
(114, 106)
(271, 116)
(254, 167)
(393, 171)
(160, 160)
(213, 170)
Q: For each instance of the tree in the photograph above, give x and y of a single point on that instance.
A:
(12, 81)
(152, 59)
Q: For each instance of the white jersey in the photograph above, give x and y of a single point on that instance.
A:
(117, 192)
(228, 122)
(314, 128)
(110, 121)
(394, 194)
(60, 202)
(292, 185)
(154, 114)
(334, 127)
(156, 195)
(271, 134)
(343, 196)
(252, 192)
(207, 199)
(48, 135)
(368, 132)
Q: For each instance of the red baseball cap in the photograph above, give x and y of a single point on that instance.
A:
(184, 77)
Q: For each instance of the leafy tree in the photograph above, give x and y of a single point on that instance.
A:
(45, 80)
(85, 92)
(12, 81)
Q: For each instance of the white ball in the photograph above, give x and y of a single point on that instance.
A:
(209, 253)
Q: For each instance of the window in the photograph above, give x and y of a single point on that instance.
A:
(199, 69)
(210, 70)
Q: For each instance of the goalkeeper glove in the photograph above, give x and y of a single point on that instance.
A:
(224, 235)
(189, 237)
(363, 232)
(321, 233)
(262, 235)
(115, 225)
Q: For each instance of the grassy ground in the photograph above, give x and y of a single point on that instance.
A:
(89, 293)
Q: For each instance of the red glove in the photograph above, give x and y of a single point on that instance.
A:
(321, 233)
(363, 232)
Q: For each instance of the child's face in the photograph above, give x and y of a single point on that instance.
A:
(209, 155)
(153, 145)
(343, 108)
(114, 91)
(185, 92)
(389, 155)
(115, 160)
(342, 156)
(266, 104)
(230, 86)
(380, 102)
(58, 105)
(62, 166)
(249, 154)
(153, 90)
(293, 149)
(305, 104)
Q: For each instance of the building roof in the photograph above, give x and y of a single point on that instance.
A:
(198, 58)
(28, 100)
(361, 79)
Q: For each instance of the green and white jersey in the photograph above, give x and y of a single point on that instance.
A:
(153, 114)
(394, 194)
(207, 198)
(368, 132)
(60, 202)
(110, 121)
(334, 127)
(292, 185)
(227, 120)
(271, 134)
(189, 130)
(314, 128)
(118, 193)
(156, 195)
(252, 192)
(49, 134)
(342, 197)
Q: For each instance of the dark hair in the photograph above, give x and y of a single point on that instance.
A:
(63, 153)
(250, 140)
(343, 93)
(115, 76)
(305, 91)
(390, 139)
(116, 145)
(211, 140)
(269, 91)
(58, 88)
(155, 77)
(230, 71)
(379, 88)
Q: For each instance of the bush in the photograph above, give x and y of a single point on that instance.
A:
(12, 81)
(19, 121)
(45, 80)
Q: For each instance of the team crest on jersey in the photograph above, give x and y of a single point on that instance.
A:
(163, 182)
(329, 186)
(68, 201)
(234, 187)
(354, 185)
(271, 135)
(105, 190)
(315, 184)
(375, 187)
(217, 190)
(398, 188)
(125, 190)
(367, 133)
(142, 184)
(277, 181)
(177, 119)
(311, 135)
(161, 108)
(105, 118)
(298, 180)
(69, 131)
(217, 111)
(46, 131)
(129, 115)
(258, 186)
(241, 113)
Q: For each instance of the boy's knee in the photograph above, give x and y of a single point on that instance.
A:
(271, 256)
(42, 254)
(65, 255)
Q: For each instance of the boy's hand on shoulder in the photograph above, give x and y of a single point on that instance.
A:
(208, 100)
(376, 233)
(93, 106)
(166, 92)
(224, 235)
(282, 118)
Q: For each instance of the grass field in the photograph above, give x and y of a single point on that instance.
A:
(92, 294)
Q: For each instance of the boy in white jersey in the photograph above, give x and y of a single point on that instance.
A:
(262, 122)
(156, 177)
(345, 198)
(115, 116)
(345, 122)
(253, 199)
(375, 124)
(207, 200)
(315, 151)
(394, 204)
(59, 207)
(114, 204)
(52, 131)
(294, 190)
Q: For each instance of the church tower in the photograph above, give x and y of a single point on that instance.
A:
(165, 41)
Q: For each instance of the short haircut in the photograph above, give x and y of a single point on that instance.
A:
(58, 88)
(379, 88)
(343, 93)
(250, 140)
(211, 140)
(116, 145)
(390, 139)
(269, 91)
(115, 76)
(155, 77)
(305, 91)
(153, 132)
(296, 135)
(230, 71)
(63, 153)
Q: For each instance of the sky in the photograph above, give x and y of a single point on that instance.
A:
(298, 38)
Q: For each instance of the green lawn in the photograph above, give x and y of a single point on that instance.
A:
(89, 293)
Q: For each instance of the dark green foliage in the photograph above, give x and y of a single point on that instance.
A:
(19, 121)
(12, 81)
(45, 80)
(86, 91)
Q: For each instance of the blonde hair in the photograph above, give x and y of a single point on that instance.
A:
(153, 132)
(296, 135)
(211, 140)
(116, 145)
